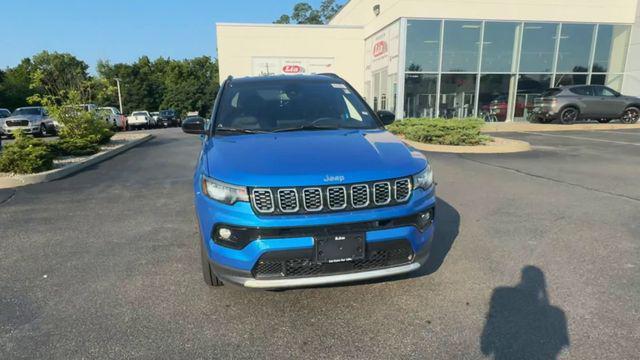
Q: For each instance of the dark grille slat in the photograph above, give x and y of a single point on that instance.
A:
(17, 122)
(263, 200)
(337, 197)
(288, 200)
(359, 196)
(312, 199)
(382, 193)
(402, 189)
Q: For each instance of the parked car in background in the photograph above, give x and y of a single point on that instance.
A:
(30, 120)
(4, 113)
(140, 120)
(169, 118)
(571, 103)
(155, 115)
(113, 117)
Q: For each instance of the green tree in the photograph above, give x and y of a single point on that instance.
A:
(55, 73)
(15, 86)
(303, 13)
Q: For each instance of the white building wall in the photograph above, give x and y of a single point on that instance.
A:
(255, 49)
(632, 78)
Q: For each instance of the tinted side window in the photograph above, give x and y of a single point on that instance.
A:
(603, 91)
(582, 90)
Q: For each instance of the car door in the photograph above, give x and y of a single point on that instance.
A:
(608, 103)
(584, 99)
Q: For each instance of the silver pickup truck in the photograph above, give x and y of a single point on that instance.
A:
(30, 120)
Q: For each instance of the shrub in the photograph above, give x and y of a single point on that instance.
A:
(74, 147)
(441, 131)
(77, 124)
(26, 156)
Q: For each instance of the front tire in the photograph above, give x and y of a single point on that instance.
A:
(43, 131)
(630, 115)
(569, 115)
(207, 273)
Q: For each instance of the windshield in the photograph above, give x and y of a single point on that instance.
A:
(139, 113)
(167, 113)
(26, 111)
(273, 105)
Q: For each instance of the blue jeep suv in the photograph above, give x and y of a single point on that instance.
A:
(299, 184)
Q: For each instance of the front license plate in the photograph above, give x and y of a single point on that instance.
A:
(340, 248)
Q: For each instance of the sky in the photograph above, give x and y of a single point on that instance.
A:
(124, 30)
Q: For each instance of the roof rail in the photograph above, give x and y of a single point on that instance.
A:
(330, 75)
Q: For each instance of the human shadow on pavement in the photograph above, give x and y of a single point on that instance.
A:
(521, 322)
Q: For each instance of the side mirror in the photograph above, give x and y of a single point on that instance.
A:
(193, 126)
(387, 117)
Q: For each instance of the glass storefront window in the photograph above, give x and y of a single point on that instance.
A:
(512, 65)
(530, 86)
(420, 95)
(575, 48)
(500, 40)
(461, 46)
(613, 81)
(611, 48)
(457, 95)
(570, 79)
(494, 95)
(423, 45)
(538, 47)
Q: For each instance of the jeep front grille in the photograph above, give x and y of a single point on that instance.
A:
(301, 200)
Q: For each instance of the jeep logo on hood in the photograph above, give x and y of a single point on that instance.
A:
(330, 178)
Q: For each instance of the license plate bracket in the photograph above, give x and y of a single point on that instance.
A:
(340, 248)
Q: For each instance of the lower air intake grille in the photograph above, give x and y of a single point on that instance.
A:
(301, 263)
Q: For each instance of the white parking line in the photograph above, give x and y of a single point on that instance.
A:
(583, 138)
(620, 132)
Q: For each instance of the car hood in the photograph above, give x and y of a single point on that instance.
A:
(307, 158)
(24, 117)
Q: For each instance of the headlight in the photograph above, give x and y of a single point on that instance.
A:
(424, 179)
(225, 193)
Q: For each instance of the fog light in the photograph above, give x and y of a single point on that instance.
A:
(224, 233)
(425, 219)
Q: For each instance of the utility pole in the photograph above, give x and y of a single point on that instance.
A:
(119, 95)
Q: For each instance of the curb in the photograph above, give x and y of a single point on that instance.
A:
(498, 146)
(525, 127)
(55, 174)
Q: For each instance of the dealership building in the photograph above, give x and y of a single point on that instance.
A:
(450, 58)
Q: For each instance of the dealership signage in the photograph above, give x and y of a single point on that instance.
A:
(264, 66)
(380, 48)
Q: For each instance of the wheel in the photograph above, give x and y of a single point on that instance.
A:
(604, 121)
(43, 131)
(207, 273)
(569, 115)
(630, 115)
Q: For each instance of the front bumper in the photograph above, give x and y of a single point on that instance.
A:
(239, 266)
(25, 129)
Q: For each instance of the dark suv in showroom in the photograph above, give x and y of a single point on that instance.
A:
(571, 103)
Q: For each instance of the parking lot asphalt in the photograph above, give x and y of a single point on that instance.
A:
(536, 255)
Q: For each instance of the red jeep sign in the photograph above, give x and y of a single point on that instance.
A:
(292, 69)
(380, 48)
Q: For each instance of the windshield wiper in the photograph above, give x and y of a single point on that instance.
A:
(307, 127)
(238, 130)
